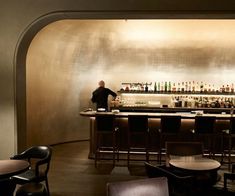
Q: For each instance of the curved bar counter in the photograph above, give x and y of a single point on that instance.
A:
(184, 115)
(187, 125)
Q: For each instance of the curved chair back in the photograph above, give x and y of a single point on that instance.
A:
(43, 153)
(39, 158)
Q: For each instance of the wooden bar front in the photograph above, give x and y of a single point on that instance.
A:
(187, 125)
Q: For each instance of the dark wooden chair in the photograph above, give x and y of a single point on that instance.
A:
(140, 187)
(228, 143)
(229, 176)
(179, 184)
(39, 158)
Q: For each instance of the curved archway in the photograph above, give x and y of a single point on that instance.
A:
(29, 34)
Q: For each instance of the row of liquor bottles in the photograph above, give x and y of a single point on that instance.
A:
(191, 86)
(179, 101)
(203, 102)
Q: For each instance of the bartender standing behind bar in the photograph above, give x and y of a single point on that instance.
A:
(100, 96)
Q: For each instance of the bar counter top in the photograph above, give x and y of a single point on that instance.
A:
(184, 115)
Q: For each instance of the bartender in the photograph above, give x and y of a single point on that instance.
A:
(100, 96)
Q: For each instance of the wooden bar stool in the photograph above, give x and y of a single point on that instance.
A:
(138, 135)
(169, 130)
(228, 142)
(105, 131)
(204, 131)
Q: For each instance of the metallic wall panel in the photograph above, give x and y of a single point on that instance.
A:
(67, 58)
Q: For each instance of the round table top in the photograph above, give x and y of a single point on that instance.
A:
(195, 163)
(12, 167)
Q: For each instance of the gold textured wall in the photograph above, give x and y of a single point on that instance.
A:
(67, 58)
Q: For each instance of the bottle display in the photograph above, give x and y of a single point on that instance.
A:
(179, 94)
(182, 87)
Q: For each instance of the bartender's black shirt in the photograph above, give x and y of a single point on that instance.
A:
(100, 97)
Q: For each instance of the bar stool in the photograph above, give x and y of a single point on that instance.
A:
(138, 135)
(204, 131)
(105, 128)
(32, 189)
(169, 130)
(228, 142)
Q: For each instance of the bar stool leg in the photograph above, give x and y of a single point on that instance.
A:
(229, 152)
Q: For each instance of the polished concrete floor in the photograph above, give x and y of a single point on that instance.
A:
(73, 174)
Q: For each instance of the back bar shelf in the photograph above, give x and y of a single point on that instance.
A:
(162, 101)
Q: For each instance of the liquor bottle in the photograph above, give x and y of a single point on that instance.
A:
(189, 87)
(158, 86)
(178, 87)
(193, 87)
(146, 87)
(186, 86)
(205, 87)
(223, 89)
(213, 88)
(169, 87)
(227, 89)
(162, 87)
(209, 88)
(174, 88)
(165, 89)
(201, 87)
(182, 87)
(142, 87)
(197, 88)
(155, 87)
(232, 88)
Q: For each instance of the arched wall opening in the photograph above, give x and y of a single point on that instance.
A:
(61, 57)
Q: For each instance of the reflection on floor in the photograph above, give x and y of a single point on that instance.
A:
(73, 174)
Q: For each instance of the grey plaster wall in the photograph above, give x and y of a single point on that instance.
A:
(16, 16)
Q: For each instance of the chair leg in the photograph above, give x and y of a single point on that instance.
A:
(114, 149)
(128, 157)
(47, 185)
(147, 155)
(97, 143)
(147, 147)
(114, 157)
(96, 158)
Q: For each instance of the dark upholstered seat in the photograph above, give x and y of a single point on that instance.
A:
(32, 189)
(179, 184)
(140, 187)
